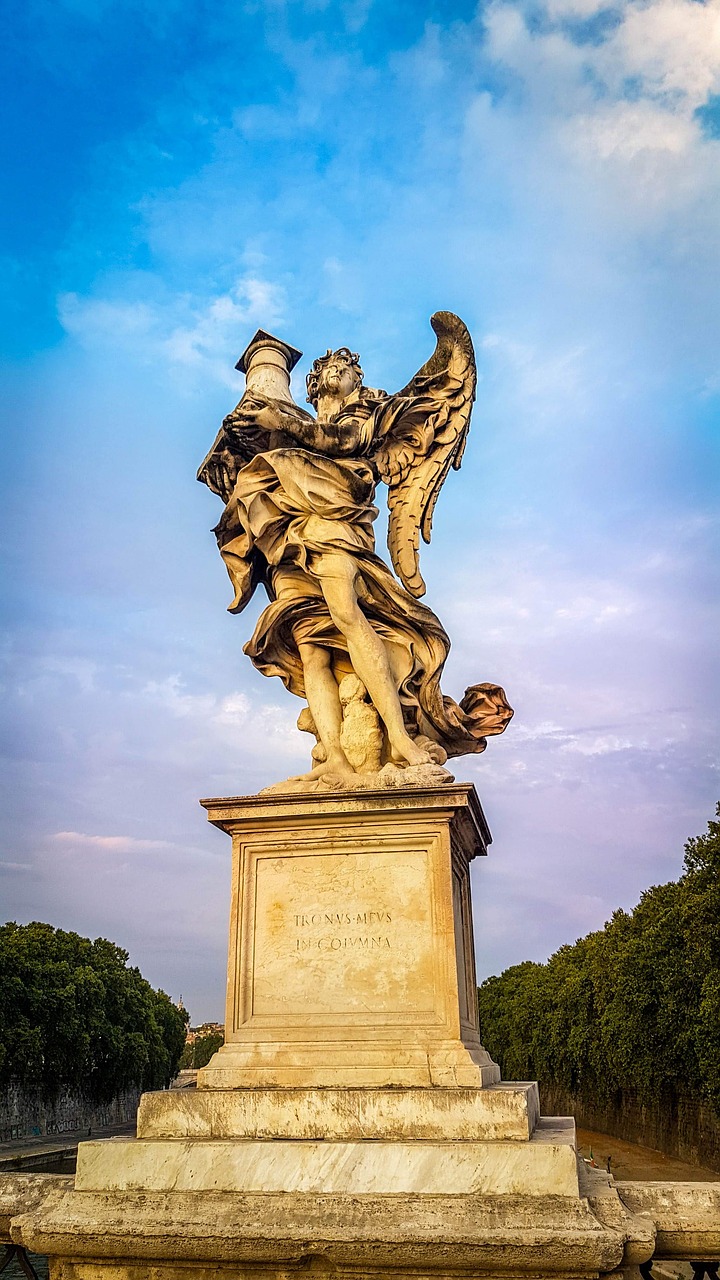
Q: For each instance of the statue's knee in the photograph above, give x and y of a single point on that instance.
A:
(341, 602)
(314, 658)
(345, 614)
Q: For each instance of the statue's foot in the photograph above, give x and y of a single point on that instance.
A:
(328, 771)
(334, 777)
(411, 753)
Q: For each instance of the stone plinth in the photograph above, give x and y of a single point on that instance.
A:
(500, 1112)
(352, 1125)
(213, 1236)
(544, 1166)
(351, 947)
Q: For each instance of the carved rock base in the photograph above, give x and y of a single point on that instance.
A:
(391, 776)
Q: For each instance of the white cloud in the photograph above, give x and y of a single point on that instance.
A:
(125, 844)
(234, 716)
(538, 377)
(619, 108)
(577, 8)
(81, 670)
(219, 322)
(667, 49)
(600, 745)
(623, 131)
(673, 46)
(197, 334)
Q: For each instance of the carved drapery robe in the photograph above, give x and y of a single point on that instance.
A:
(292, 506)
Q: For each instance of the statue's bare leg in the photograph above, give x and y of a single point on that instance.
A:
(321, 691)
(337, 575)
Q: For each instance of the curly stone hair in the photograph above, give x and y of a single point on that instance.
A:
(312, 381)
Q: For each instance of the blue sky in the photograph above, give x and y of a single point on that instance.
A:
(181, 173)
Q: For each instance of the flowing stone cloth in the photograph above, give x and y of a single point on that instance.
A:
(288, 509)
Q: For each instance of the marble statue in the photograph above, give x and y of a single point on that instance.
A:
(299, 512)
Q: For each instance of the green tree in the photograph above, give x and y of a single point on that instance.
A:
(73, 1014)
(199, 1053)
(633, 1007)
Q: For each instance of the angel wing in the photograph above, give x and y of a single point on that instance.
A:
(423, 429)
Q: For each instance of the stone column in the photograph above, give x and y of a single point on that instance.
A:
(267, 364)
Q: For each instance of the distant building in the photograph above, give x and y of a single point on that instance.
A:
(205, 1029)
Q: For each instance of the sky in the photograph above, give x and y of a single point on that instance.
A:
(181, 172)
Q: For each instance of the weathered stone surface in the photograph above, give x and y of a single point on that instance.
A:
(686, 1215)
(351, 957)
(156, 1236)
(443, 1235)
(20, 1192)
(545, 1166)
(600, 1190)
(502, 1111)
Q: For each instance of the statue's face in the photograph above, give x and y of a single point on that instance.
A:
(339, 377)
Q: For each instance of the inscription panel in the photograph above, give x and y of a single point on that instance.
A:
(343, 933)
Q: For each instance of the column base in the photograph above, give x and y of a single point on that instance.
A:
(350, 1064)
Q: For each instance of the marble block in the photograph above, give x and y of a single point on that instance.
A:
(351, 947)
(546, 1165)
(499, 1112)
(139, 1235)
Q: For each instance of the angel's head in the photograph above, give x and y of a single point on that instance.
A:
(336, 374)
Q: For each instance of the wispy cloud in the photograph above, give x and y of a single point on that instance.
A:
(336, 173)
(196, 334)
(124, 844)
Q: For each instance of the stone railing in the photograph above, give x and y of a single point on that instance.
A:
(19, 1193)
(664, 1221)
(686, 1217)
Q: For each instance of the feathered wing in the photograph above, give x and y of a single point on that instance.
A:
(423, 429)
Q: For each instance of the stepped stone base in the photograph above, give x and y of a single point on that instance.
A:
(289, 1064)
(352, 1125)
(137, 1235)
(502, 1112)
(546, 1165)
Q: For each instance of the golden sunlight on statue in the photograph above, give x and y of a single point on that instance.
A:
(340, 630)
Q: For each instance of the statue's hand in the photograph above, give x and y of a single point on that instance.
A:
(228, 464)
(252, 413)
(254, 410)
(259, 423)
(253, 402)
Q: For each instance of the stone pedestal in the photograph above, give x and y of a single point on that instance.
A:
(351, 958)
(352, 1124)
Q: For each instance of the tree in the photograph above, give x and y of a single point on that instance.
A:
(633, 1007)
(74, 1015)
(199, 1053)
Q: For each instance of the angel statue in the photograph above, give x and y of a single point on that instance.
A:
(341, 630)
